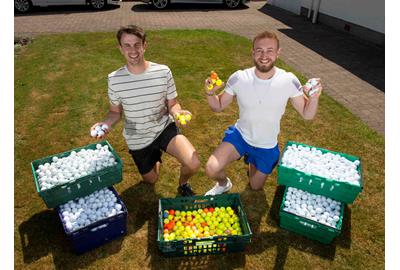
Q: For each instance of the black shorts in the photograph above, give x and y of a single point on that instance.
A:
(146, 158)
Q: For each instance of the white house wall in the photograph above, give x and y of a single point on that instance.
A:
(290, 5)
(367, 13)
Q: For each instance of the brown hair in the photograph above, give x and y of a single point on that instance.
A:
(266, 34)
(132, 30)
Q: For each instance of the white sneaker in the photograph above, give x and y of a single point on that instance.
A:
(217, 189)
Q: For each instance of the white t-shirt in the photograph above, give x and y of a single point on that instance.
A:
(262, 103)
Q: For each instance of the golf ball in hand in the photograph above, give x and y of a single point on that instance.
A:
(312, 84)
(99, 130)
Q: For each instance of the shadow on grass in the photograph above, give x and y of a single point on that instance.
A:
(141, 200)
(282, 240)
(43, 235)
(255, 205)
(216, 261)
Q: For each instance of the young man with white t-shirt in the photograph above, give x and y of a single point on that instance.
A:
(262, 93)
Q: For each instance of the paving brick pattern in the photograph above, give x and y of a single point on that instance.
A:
(352, 71)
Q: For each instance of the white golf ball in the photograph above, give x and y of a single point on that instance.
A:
(93, 133)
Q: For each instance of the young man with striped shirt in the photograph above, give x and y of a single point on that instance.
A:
(145, 92)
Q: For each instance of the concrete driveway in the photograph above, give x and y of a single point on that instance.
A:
(352, 70)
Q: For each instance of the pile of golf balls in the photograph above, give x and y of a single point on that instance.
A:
(84, 211)
(74, 166)
(99, 131)
(328, 165)
(315, 207)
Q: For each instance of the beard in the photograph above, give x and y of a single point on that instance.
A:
(262, 67)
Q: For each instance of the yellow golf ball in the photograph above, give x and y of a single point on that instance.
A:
(188, 117)
(218, 82)
(210, 87)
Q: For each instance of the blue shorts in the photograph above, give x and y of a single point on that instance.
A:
(264, 159)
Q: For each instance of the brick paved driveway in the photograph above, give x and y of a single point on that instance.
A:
(352, 70)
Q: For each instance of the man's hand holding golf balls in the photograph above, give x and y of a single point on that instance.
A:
(217, 100)
(100, 130)
(182, 117)
(213, 83)
(312, 88)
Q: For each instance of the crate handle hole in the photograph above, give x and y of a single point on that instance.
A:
(99, 227)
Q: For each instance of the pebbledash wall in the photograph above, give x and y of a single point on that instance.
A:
(362, 18)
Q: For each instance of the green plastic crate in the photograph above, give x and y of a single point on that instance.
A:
(307, 227)
(82, 186)
(340, 191)
(202, 246)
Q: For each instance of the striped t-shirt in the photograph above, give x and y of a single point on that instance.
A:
(144, 100)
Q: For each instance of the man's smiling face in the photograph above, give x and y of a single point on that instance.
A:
(133, 48)
(265, 54)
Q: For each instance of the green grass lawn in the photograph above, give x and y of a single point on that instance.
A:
(61, 90)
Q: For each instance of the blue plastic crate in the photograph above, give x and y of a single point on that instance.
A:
(100, 232)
